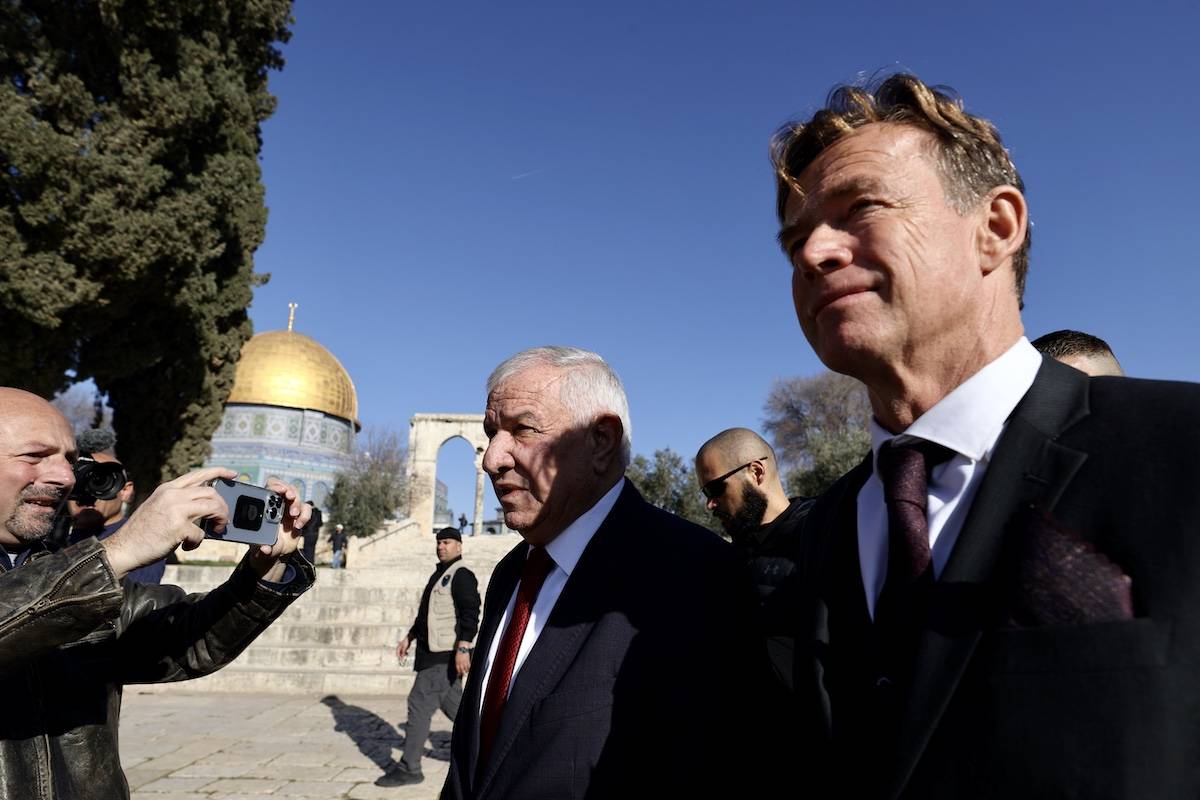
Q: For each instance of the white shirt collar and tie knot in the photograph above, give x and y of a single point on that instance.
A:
(968, 422)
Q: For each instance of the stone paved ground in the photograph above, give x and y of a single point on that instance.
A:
(181, 746)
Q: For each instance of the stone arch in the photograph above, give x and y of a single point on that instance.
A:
(426, 435)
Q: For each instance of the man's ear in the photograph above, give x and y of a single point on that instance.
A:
(126, 493)
(1005, 220)
(605, 433)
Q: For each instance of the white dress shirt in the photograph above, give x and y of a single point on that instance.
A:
(564, 551)
(969, 422)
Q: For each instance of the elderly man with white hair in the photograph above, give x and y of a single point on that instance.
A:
(596, 651)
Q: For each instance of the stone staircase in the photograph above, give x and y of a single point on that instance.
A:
(340, 636)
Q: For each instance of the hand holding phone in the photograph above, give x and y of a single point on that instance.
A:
(268, 559)
(255, 514)
(166, 520)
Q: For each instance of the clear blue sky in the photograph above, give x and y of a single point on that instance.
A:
(449, 183)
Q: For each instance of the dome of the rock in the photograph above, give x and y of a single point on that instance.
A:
(292, 415)
(290, 370)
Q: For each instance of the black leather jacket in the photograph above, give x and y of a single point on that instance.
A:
(71, 636)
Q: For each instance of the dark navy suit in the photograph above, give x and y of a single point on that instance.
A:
(648, 651)
(997, 707)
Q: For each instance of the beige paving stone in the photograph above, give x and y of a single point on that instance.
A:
(307, 757)
(151, 747)
(359, 774)
(235, 757)
(253, 749)
(292, 772)
(212, 771)
(176, 785)
(367, 791)
(322, 751)
(199, 747)
(140, 776)
(318, 789)
(184, 754)
(284, 709)
(257, 786)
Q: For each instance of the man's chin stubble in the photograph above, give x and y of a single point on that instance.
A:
(26, 531)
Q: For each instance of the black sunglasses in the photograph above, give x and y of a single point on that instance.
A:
(716, 487)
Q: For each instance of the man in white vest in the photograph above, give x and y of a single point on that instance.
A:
(446, 624)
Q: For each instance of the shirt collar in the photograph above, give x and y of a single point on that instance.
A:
(970, 419)
(568, 546)
(14, 560)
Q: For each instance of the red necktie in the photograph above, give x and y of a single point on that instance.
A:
(533, 575)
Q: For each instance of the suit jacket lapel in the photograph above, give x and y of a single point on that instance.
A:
(572, 618)
(500, 588)
(827, 524)
(1027, 467)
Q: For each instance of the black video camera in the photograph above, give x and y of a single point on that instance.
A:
(97, 480)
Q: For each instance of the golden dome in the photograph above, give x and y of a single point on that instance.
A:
(285, 368)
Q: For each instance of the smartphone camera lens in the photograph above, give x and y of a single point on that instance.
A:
(248, 515)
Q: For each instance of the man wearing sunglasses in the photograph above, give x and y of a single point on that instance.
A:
(739, 476)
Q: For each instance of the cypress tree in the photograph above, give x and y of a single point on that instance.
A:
(131, 204)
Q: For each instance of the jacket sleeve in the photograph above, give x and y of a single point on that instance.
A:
(55, 600)
(165, 634)
(464, 590)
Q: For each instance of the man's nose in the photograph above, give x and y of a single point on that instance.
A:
(825, 250)
(496, 458)
(57, 470)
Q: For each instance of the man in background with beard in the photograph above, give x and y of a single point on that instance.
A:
(739, 476)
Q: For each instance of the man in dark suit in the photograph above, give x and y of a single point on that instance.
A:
(1001, 600)
(594, 670)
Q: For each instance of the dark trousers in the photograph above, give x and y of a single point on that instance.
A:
(436, 687)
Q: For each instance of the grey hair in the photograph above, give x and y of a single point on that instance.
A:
(589, 386)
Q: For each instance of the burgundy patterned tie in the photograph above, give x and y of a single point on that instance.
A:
(904, 470)
(533, 574)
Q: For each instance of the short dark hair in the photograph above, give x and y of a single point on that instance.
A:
(96, 440)
(968, 152)
(1066, 343)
